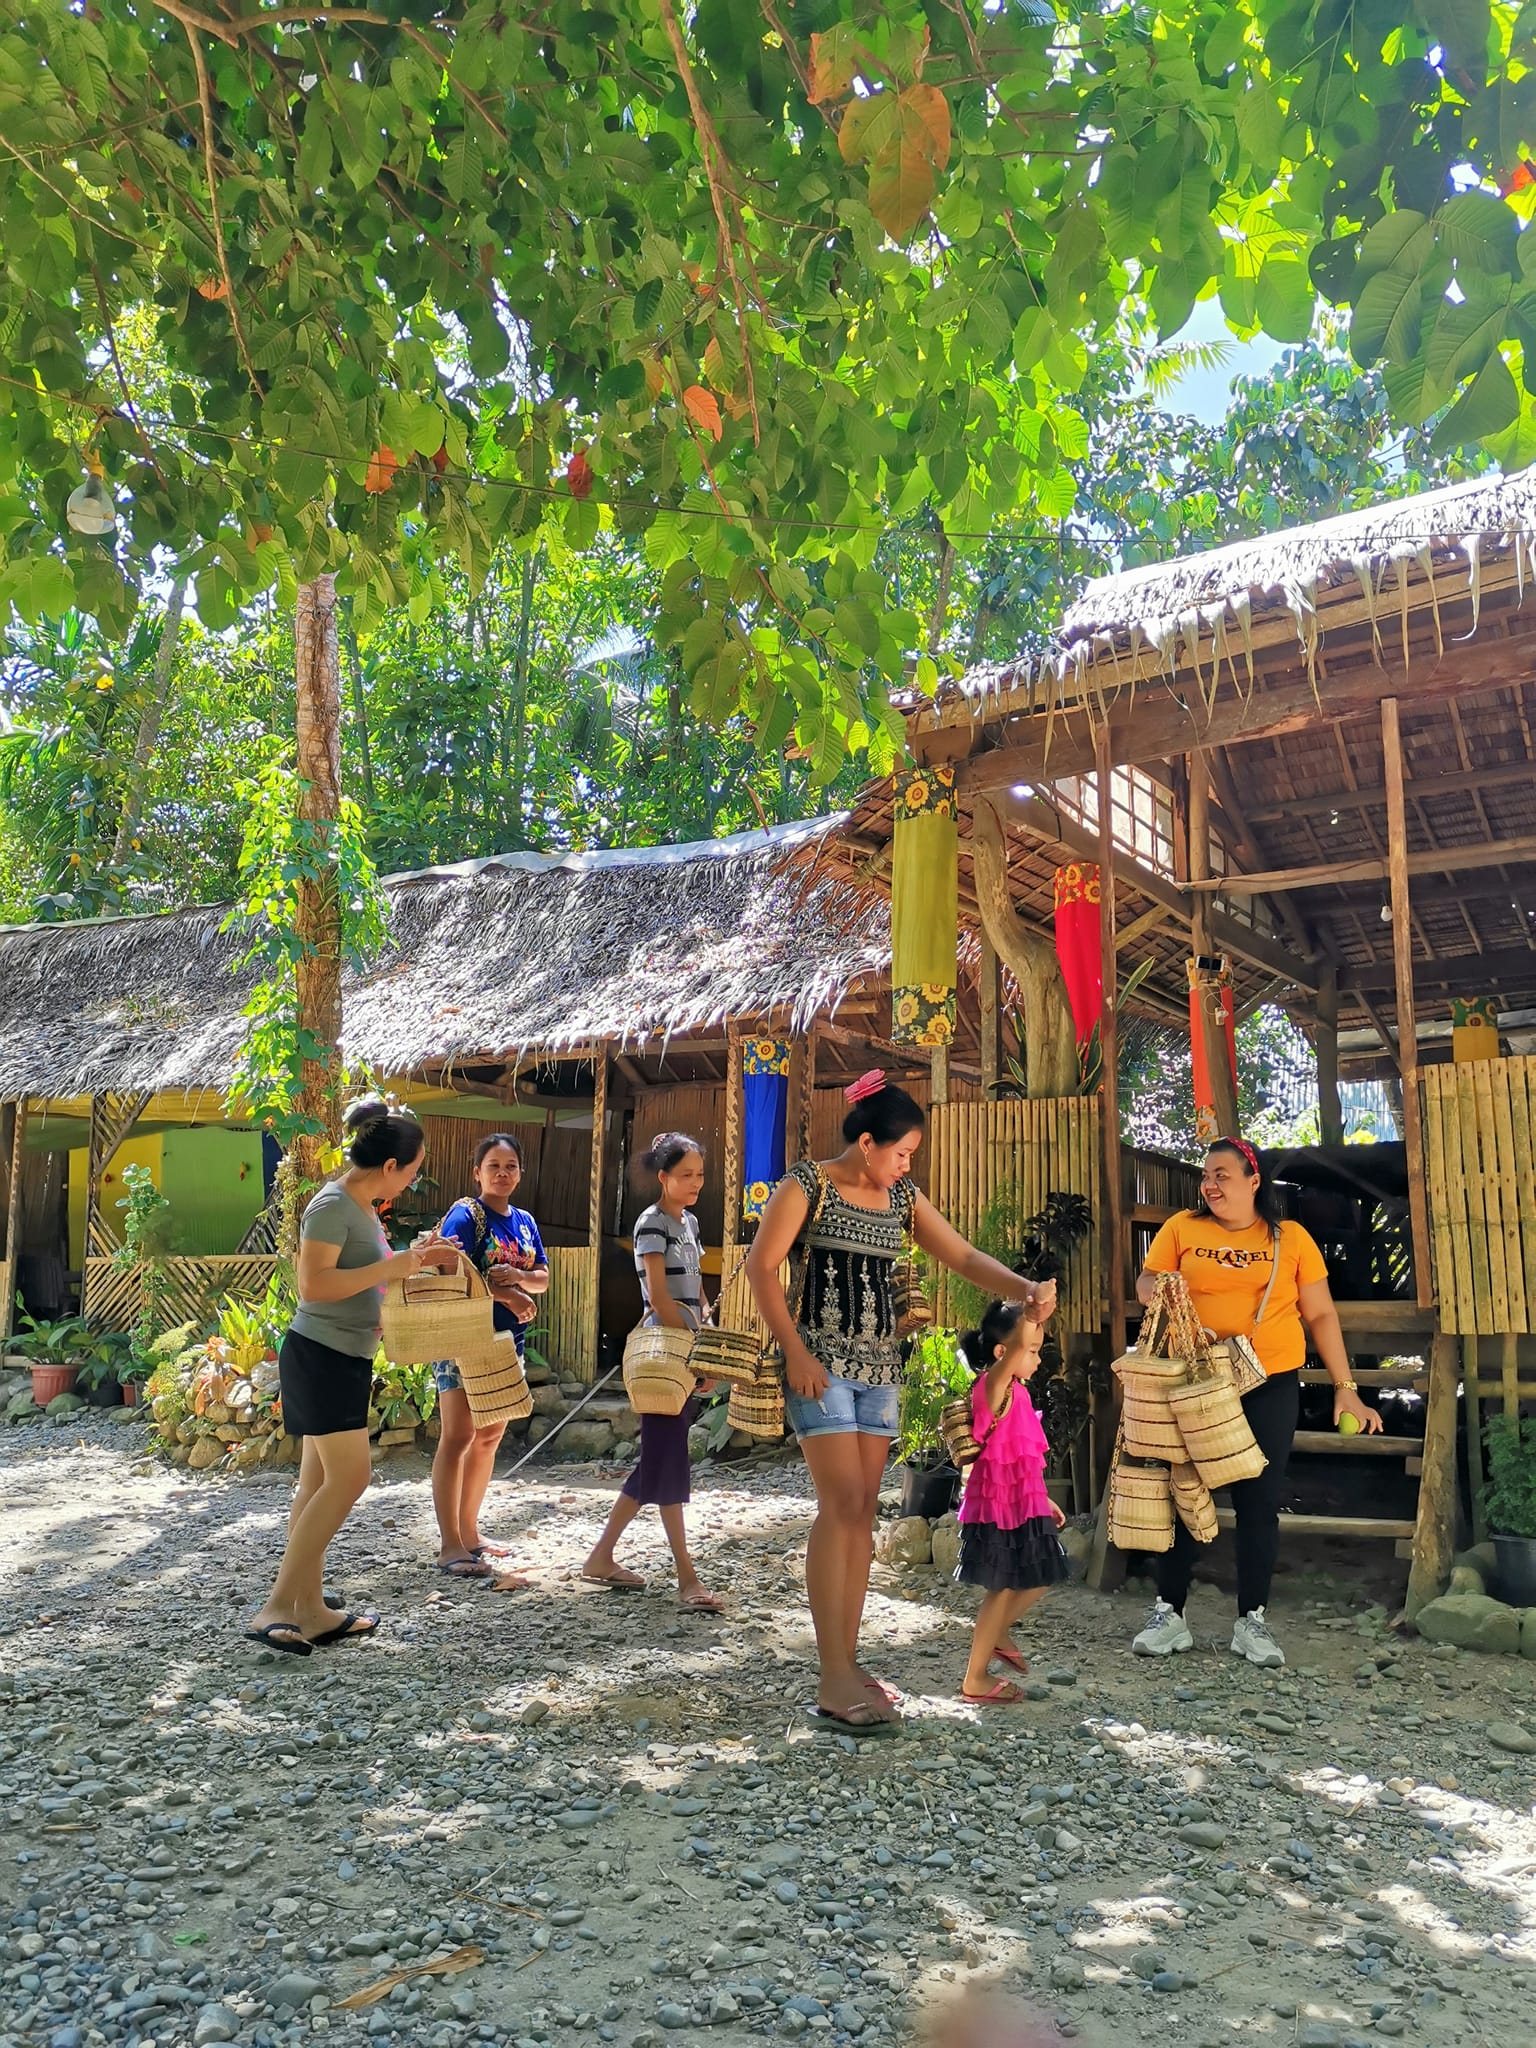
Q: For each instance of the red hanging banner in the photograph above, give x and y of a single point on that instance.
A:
(1078, 947)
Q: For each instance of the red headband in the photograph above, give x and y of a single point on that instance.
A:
(867, 1084)
(1242, 1146)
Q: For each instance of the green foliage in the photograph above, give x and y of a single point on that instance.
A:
(369, 295)
(1510, 1498)
(112, 1356)
(402, 1394)
(146, 1245)
(935, 1375)
(62, 1342)
(283, 853)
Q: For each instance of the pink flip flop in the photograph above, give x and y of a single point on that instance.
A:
(1009, 1656)
(1003, 1694)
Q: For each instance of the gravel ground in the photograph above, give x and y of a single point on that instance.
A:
(606, 1818)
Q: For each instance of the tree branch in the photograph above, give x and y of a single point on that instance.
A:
(210, 162)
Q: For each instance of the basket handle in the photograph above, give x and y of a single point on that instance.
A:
(463, 1269)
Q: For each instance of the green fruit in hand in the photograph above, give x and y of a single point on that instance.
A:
(1349, 1425)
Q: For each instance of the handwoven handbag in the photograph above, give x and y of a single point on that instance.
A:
(495, 1382)
(1192, 1502)
(657, 1375)
(913, 1309)
(758, 1410)
(427, 1316)
(959, 1436)
(1216, 1434)
(730, 1356)
(1140, 1506)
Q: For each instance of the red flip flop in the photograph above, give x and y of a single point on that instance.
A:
(1006, 1654)
(888, 1693)
(1003, 1694)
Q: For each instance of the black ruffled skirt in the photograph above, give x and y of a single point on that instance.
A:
(1011, 1560)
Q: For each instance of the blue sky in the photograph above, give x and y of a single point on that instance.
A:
(1205, 392)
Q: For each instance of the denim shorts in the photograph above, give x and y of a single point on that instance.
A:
(448, 1377)
(848, 1407)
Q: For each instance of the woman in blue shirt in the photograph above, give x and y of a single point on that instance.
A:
(503, 1243)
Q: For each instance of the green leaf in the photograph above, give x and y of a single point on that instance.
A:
(1387, 318)
(1490, 403)
(1284, 299)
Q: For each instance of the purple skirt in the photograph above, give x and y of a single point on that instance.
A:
(664, 1478)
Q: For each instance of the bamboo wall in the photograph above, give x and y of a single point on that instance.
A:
(565, 1333)
(191, 1289)
(978, 1149)
(1480, 1161)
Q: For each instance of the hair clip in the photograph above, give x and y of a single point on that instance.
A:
(865, 1086)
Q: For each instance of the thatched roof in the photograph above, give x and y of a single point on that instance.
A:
(490, 959)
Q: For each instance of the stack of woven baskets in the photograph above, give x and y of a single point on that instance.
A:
(662, 1368)
(1183, 1431)
(428, 1316)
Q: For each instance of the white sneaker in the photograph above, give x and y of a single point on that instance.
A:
(1251, 1639)
(1166, 1632)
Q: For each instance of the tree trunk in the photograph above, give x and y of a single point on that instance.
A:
(940, 614)
(318, 970)
(359, 711)
(1050, 1050)
(521, 665)
(149, 727)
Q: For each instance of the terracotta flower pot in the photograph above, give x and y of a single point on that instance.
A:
(49, 1381)
(130, 1393)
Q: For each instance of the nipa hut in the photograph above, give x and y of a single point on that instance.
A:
(1303, 769)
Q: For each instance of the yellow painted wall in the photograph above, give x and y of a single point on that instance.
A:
(132, 1152)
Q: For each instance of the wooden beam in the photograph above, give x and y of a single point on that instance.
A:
(1439, 860)
(1330, 1110)
(991, 1019)
(1127, 934)
(1420, 789)
(9, 1261)
(586, 1365)
(1228, 935)
(1407, 1023)
(735, 1138)
(1109, 1043)
(1434, 1534)
(1474, 972)
(1159, 722)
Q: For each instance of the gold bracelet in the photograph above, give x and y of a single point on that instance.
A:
(1346, 1386)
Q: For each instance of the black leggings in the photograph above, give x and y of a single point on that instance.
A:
(1271, 1411)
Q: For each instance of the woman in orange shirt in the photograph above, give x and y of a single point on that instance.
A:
(1251, 1274)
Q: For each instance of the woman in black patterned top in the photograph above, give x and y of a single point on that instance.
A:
(842, 1355)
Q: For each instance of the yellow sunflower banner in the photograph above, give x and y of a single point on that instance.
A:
(925, 907)
(1474, 1029)
(764, 1114)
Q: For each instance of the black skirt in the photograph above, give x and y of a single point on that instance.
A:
(664, 1476)
(1011, 1560)
(324, 1390)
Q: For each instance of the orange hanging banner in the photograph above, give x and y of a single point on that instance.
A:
(1210, 1003)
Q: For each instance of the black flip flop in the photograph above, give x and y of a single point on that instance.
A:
(476, 1568)
(269, 1638)
(346, 1632)
(849, 1724)
(612, 1585)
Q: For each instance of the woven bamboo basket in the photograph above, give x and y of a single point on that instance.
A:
(427, 1316)
(1215, 1430)
(959, 1437)
(1192, 1503)
(1140, 1507)
(1236, 1357)
(657, 1376)
(495, 1384)
(732, 1356)
(1151, 1428)
(758, 1410)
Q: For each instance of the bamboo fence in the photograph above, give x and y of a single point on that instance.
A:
(565, 1332)
(1480, 1159)
(189, 1289)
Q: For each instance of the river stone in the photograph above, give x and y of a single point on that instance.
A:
(904, 1542)
(1465, 1578)
(1508, 1736)
(585, 1440)
(293, 1988)
(214, 2023)
(1528, 1632)
(1203, 1834)
(1068, 1973)
(1471, 1621)
(944, 1540)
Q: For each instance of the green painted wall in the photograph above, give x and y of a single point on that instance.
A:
(212, 1179)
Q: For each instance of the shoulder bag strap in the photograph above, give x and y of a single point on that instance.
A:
(1274, 1275)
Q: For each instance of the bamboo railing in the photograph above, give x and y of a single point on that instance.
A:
(1480, 1162)
(565, 1331)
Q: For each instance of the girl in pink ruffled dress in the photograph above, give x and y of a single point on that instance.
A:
(1008, 1522)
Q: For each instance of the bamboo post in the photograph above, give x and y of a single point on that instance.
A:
(1434, 1535)
(1473, 1395)
(1109, 1043)
(13, 1219)
(939, 1074)
(1202, 945)
(587, 1368)
(732, 1163)
(1330, 1110)
(1407, 1025)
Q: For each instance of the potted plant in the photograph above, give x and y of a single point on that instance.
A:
(107, 1357)
(54, 1351)
(936, 1374)
(1511, 1506)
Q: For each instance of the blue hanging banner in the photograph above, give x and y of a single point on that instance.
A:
(764, 1113)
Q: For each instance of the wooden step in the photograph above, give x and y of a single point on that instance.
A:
(1415, 1376)
(1377, 1529)
(1361, 1446)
